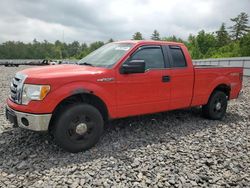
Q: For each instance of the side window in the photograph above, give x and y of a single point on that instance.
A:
(152, 56)
(177, 56)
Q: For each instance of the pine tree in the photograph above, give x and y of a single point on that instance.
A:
(240, 26)
(155, 35)
(110, 40)
(222, 36)
(137, 36)
(245, 45)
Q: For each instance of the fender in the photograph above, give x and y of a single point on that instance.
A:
(70, 89)
(221, 80)
(59, 94)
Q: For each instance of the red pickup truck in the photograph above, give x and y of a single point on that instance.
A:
(118, 80)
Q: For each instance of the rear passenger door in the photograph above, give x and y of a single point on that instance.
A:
(181, 77)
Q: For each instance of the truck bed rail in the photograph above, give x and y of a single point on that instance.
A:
(226, 62)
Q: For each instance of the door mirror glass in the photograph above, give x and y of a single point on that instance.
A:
(133, 66)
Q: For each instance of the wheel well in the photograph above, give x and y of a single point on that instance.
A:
(84, 98)
(224, 88)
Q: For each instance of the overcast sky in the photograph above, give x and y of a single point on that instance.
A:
(92, 20)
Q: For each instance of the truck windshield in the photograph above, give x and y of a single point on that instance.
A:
(106, 56)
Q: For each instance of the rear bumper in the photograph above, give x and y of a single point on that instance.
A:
(35, 122)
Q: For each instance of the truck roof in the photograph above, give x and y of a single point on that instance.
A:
(149, 42)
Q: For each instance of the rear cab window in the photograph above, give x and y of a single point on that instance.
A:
(177, 56)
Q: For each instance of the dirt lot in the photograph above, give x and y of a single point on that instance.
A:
(178, 149)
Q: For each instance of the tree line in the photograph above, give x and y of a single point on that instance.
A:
(46, 50)
(232, 41)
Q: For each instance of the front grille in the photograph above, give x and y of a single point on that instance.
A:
(16, 87)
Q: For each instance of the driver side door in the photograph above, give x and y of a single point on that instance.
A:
(142, 93)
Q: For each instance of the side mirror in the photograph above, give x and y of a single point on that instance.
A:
(133, 66)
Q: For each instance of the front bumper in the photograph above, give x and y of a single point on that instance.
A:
(35, 122)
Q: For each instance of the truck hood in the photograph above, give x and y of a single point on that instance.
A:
(61, 71)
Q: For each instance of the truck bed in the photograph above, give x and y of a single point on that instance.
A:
(207, 77)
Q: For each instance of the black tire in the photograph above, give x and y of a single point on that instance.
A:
(78, 127)
(216, 107)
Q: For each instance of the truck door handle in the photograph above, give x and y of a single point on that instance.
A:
(166, 79)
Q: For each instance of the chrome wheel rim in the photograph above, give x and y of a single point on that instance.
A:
(81, 128)
(218, 106)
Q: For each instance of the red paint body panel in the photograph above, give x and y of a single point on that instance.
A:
(131, 94)
(182, 83)
(142, 91)
(207, 79)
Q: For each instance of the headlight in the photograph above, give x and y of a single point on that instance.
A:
(34, 92)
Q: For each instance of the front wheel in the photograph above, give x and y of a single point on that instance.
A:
(78, 127)
(216, 107)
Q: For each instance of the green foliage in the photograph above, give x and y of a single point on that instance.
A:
(205, 41)
(230, 50)
(155, 35)
(240, 26)
(137, 36)
(46, 50)
(245, 45)
(222, 36)
(172, 38)
(208, 45)
(193, 47)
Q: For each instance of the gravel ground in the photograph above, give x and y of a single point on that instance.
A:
(173, 149)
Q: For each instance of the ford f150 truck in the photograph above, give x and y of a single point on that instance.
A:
(120, 79)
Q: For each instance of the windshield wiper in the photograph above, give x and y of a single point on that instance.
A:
(85, 63)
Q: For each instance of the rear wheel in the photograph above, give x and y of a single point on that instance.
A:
(78, 127)
(216, 107)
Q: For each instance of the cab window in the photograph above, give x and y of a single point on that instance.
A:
(152, 56)
(178, 57)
